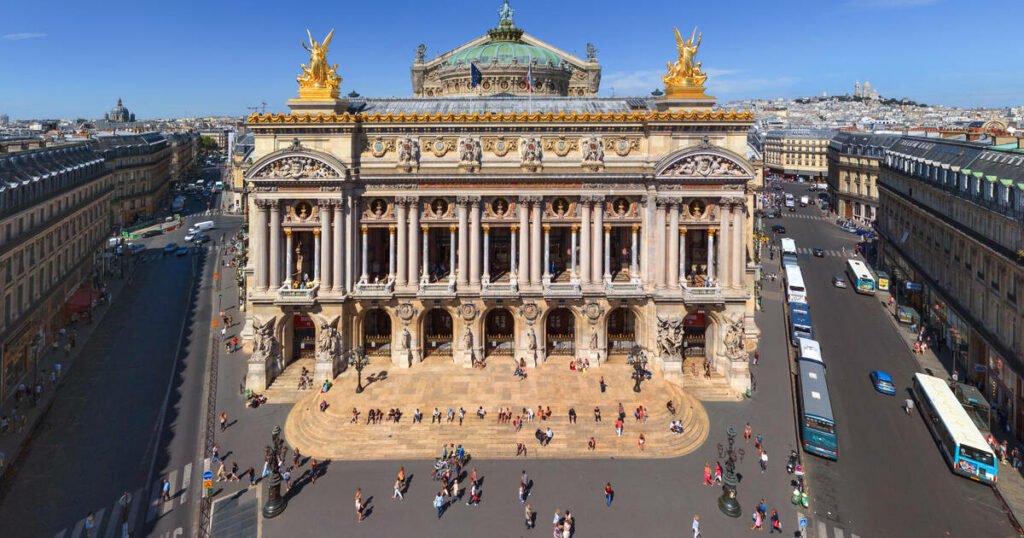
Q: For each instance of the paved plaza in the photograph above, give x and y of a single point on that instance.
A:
(442, 385)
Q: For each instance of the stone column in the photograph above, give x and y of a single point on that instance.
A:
(426, 254)
(711, 253)
(463, 211)
(414, 244)
(659, 241)
(672, 279)
(597, 261)
(512, 253)
(288, 258)
(487, 253)
(402, 215)
(585, 242)
(451, 251)
(275, 244)
(351, 238)
(738, 242)
(364, 276)
(260, 247)
(524, 242)
(337, 236)
(537, 208)
(474, 240)
(572, 266)
(325, 246)
(391, 252)
(607, 252)
(316, 255)
(722, 271)
(633, 269)
(682, 255)
(547, 251)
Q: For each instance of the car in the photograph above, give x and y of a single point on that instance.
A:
(182, 251)
(190, 236)
(153, 233)
(170, 247)
(818, 253)
(882, 382)
(778, 228)
(201, 238)
(792, 208)
(839, 282)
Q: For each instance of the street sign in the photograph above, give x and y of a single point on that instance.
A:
(207, 475)
(802, 523)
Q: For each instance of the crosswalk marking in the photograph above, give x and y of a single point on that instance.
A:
(154, 500)
(837, 532)
(60, 534)
(98, 520)
(822, 529)
(136, 502)
(186, 480)
(115, 520)
(167, 506)
(77, 531)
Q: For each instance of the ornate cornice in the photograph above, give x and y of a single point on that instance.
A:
(497, 117)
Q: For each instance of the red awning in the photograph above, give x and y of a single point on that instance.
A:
(81, 301)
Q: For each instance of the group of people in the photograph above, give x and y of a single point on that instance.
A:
(579, 365)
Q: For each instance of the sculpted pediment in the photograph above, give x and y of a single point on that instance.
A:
(704, 164)
(296, 166)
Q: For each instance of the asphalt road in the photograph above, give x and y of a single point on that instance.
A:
(890, 479)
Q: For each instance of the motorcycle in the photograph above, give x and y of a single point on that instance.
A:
(793, 462)
(799, 494)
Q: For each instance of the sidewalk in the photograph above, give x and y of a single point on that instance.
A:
(13, 442)
(1010, 488)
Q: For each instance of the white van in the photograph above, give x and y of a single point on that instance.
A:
(201, 226)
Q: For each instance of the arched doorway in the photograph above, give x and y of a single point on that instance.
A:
(499, 333)
(694, 329)
(621, 332)
(303, 338)
(377, 333)
(560, 332)
(437, 334)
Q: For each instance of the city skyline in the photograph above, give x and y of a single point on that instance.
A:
(219, 60)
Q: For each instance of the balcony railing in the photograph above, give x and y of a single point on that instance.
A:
(441, 287)
(632, 286)
(572, 287)
(708, 294)
(508, 287)
(376, 288)
(297, 296)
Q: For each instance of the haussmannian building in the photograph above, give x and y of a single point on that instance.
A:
(140, 164)
(853, 163)
(184, 150)
(505, 225)
(797, 152)
(950, 222)
(54, 219)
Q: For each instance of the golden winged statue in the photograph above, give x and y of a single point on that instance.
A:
(319, 74)
(684, 72)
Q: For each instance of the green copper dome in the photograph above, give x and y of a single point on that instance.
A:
(504, 51)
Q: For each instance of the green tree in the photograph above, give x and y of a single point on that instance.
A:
(207, 142)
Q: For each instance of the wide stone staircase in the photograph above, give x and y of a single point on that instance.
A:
(331, 434)
(285, 388)
(715, 389)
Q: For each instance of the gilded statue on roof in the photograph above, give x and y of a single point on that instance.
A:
(319, 74)
(684, 72)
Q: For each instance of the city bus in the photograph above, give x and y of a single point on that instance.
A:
(799, 325)
(788, 251)
(817, 424)
(860, 277)
(810, 350)
(959, 440)
(795, 291)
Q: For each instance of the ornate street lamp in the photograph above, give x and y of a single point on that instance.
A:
(727, 503)
(276, 503)
(638, 359)
(358, 360)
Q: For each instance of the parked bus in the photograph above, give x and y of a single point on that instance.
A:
(817, 424)
(960, 442)
(799, 326)
(795, 291)
(860, 277)
(810, 350)
(788, 251)
(790, 201)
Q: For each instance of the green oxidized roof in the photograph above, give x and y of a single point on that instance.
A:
(504, 51)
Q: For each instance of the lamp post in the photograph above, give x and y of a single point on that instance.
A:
(638, 359)
(727, 503)
(276, 503)
(359, 360)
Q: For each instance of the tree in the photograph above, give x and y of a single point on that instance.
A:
(207, 142)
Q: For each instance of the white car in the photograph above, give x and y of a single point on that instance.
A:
(191, 235)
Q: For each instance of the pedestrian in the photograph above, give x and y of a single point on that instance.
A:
(528, 514)
(462, 415)
(558, 518)
(718, 472)
(90, 524)
(474, 494)
(746, 434)
(223, 333)
(696, 526)
(622, 412)
(763, 508)
(641, 441)
(296, 456)
(287, 476)
(597, 414)
(233, 477)
(603, 385)
(522, 494)
(398, 491)
(757, 521)
(591, 445)
(220, 472)
(618, 427)
(165, 494)
(607, 495)
(520, 448)
(707, 475)
(439, 504)
(548, 435)
(776, 523)
(359, 504)
(223, 421)
(757, 443)
(764, 461)
(252, 476)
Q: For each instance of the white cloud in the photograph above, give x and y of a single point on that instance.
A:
(640, 82)
(23, 35)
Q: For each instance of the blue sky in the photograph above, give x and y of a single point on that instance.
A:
(74, 59)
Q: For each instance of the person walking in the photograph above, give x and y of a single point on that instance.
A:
(528, 515)
(746, 433)
(764, 460)
(474, 495)
(165, 494)
(359, 504)
(618, 427)
(602, 384)
(641, 442)
(398, 491)
(757, 521)
(776, 524)
(223, 421)
(696, 526)
(252, 476)
(455, 488)
(522, 494)
(607, 495)
(401, 477)
(439, 504)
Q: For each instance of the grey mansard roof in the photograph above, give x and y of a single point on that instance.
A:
(499, 104)
(940, 151)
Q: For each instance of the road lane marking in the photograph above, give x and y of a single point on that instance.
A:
(822, 529)
(186, 480)
(98, 520)
(838, 532)
(60, 534)
(115, 519)
(77, 532)
(136, 502)
(154, 500)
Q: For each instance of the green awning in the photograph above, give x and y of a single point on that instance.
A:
(978, 174)
(992, 178)
(1020, 186)
(966, 170)
(1006, 182)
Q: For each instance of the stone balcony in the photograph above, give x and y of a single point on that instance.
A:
(288, 296)
(561, 289)
(629, 288)
(702, 295)
(441, 288)
(383, 290)
(502, 289)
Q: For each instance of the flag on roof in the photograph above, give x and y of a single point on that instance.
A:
(475, 76)
(529, 79)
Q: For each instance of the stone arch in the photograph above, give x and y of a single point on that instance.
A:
(632, 323)
(376, 331)
(278, 165)
(498, 340)
(437, 332)
(676, 163)
(561, 329)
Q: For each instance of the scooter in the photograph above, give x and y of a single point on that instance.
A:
(793, 462)
(799, 494)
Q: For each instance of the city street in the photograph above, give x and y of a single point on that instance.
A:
(890, 478)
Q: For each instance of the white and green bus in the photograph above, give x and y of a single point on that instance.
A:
(860, 277)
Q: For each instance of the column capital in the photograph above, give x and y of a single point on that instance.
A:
(575, 227)
(391, 229)
(607, 228)
(274, 204)
(514, 228)
(711, 232)
(425, 228)
(547, 228)
(288, 232)
(531, 199)
(636, 228)
(406, 200)
(592, 198)
(682, 231)
(452, 228)
(467, 198)
(316, 232)
(327, 204)
(262, 203)
(486, 228)
(365, 229)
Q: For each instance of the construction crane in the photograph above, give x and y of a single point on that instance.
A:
(262, 108)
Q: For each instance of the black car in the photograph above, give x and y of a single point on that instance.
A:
(818, 253)
(201, 238)
(778, 228)
(153, 233)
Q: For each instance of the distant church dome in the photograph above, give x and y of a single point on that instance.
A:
(119, 114)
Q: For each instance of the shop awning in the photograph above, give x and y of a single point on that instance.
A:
(81, 301)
